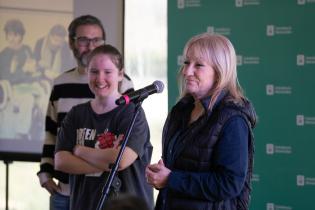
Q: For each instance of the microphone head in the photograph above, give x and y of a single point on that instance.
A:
(159, 86)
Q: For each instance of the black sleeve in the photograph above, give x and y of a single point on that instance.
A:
(66, 136)
(139, 137)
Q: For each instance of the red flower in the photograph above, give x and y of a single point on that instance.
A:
(106, 140)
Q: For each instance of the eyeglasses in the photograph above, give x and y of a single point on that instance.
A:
(84, 41)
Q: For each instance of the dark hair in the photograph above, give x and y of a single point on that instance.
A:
(107, 49)
(58, 30)
(15, 26)
(84, 20)
(126, 202)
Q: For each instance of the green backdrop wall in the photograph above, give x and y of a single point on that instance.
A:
(275, 46)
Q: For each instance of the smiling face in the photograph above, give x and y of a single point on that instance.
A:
(198, 75)
(104, 76)
(209, 68)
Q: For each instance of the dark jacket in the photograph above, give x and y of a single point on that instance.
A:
(211, 159)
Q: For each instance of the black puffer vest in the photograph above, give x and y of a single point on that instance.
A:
(196, 150)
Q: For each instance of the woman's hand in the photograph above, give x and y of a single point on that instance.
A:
(157, 174)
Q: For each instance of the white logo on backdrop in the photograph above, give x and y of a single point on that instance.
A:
(219, 30)
(302, 180)
(272, 30)
(303, 2)
(278, 149)
(299, 120)
(255, 178)
(238, 3)
(273, 206)
(302, 120)
(210, 29)
(270, 149)
(180, 60)
(247, 60)
(181, 4)
(270, 206)
(272, 90)
(241, 3)
(239, 60)
(302, 60)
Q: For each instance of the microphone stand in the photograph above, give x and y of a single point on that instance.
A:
(113, 170)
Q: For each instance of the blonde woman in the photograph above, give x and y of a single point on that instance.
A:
(208, 145)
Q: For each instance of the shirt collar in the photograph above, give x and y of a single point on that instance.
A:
(206, 101)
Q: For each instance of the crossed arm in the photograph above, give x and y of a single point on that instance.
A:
(85, 160)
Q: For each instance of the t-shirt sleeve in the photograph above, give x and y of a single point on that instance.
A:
(139, 137)
(66, 135)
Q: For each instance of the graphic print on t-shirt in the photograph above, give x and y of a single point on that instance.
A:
(108, 140)
(104, 140)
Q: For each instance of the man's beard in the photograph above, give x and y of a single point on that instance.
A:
(81, 58)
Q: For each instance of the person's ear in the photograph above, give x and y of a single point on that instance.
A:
(121, 74)
(71, 44)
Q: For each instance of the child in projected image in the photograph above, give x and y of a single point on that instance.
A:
(90, 136)
(52, 53)
(17, 71)
(16, 60)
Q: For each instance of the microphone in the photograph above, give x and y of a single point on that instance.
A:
(156, 87)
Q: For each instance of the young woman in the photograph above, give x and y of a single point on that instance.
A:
(90, 136)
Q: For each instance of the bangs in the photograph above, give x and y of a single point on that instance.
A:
(198, 51)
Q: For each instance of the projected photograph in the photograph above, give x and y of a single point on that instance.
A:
(33, 51)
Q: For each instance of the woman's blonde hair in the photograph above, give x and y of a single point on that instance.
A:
(219, 53)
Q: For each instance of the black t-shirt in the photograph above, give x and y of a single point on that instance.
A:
(83, 126)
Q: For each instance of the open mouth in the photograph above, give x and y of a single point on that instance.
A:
(101, 86)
